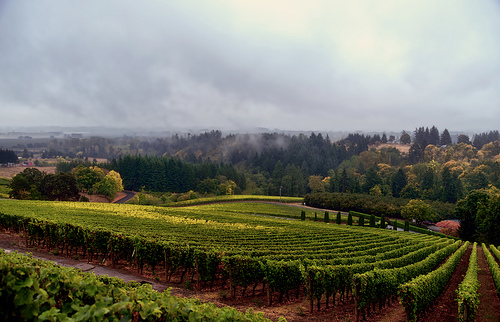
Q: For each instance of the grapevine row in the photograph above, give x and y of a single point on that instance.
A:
(421, 291)
(467, 293)
(37, 290)
(493, 265)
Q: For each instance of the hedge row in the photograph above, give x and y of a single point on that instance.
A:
(376, 205)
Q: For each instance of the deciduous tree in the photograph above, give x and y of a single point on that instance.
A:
(418, 210)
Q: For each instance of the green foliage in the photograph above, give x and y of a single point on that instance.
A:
(302, 215)
(38, 290)
(479, 215)
(87, 177)
(382, 283)
(339, 218)
(26, 185)
(418, 210)
(327, 217)
(467, 210)
(59, 186)
(420, 292)
(234, 198)
(377, 205)
(467, 292)
(493, 265)
(4, 187)
(372, 221)
(110, 185)
(8, 156)
(382, 222)
(399, 181)
(349, 219)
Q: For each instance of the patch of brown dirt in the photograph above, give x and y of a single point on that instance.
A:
(9, 173)
(445, 307)
(403, 148)
(489, 302)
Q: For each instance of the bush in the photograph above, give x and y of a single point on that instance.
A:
(377, 205)
(382, 221)
(372, 221)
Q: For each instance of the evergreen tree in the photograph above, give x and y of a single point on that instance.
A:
(372, 178)
(405, 138)
(434, 136)
(451, 186)
(416, 153)
(399, 181)
(8, 156)
(463, 138)
(445, 138)
(466, 210)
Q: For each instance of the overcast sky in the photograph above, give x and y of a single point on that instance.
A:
(238, 64)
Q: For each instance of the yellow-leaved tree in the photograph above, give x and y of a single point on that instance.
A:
(110, 185)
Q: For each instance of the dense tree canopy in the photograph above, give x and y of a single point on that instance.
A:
(418, 210)
(8, 156)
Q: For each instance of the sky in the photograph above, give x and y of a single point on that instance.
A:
(323, 65)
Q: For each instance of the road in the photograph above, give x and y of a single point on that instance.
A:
(129, 195)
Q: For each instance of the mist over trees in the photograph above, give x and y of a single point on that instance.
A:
(428, 166)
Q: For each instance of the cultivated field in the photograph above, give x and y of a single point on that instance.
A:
(12, 171)
(257, 255)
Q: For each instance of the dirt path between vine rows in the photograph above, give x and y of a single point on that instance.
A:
(445, 308)
(489, 302)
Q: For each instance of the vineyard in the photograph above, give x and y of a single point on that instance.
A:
(251, 249)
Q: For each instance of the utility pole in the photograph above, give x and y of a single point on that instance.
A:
(280, 194)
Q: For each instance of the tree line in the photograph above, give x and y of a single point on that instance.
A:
(33, 184)
(162, 174)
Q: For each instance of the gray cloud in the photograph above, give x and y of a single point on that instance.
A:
(319, 65)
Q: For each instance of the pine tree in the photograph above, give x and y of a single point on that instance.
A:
(445, 138)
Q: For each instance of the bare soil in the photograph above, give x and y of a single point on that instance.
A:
(403, 148)
(9, 173)
(489, 302)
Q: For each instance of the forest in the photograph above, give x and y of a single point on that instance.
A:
(424, 164)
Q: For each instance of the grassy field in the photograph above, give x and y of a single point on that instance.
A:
(4, 187)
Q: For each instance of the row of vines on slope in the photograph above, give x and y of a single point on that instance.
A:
(210, 246)
(39, 290)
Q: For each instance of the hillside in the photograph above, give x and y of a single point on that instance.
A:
(246, 236)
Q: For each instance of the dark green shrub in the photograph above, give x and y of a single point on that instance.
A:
(372, 221)
(327, 217)
(339, 218)
(349, 219)
(382, 221)
(302, 215)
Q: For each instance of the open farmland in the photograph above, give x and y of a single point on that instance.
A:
(239, 249)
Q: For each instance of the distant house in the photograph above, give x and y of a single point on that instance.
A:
(27, 164)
